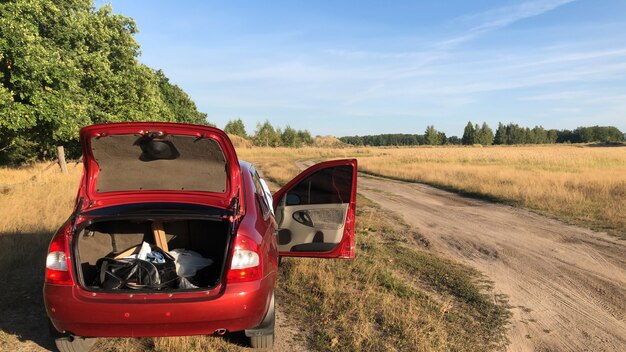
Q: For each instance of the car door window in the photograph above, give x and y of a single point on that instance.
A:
(267, 194)
(261, 195)
(326, 186)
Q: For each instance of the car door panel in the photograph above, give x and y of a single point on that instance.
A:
(314, 225)
(315, 211)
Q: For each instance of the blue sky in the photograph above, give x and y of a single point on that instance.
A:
(369, 67)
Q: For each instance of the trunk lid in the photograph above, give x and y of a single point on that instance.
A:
(140, 162)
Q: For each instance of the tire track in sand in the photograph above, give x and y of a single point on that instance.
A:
(566, 284)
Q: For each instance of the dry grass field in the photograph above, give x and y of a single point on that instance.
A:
(33, 208)
(396, 295)
(581, 184)
(392, 297)
(584, 185)
(30, 211)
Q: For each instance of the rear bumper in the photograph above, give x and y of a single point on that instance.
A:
(79, 312)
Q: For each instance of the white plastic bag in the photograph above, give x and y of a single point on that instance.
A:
(185, 284)
(188, 262)
(143, 252)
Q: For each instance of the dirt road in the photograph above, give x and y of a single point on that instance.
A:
(566, 284)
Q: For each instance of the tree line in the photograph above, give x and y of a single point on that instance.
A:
(484, 135)
(267, 135)
(65, 65)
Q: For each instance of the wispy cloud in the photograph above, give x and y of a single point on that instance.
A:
(580, 97)
(487, 21)
(501, 17)
(369, 55)
(560, 58)
(562, 95)
(485, 81)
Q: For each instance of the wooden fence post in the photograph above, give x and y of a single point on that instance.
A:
(61, 157)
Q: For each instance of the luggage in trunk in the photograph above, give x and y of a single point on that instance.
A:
(109, 241)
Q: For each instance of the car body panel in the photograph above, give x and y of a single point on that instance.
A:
(81, 313)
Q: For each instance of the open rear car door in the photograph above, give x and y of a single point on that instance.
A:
(315, 211)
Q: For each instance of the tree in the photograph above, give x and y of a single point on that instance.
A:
(469, 134)
(501, 136)
(385, 139)
(432, 135)
(585, 134)
(236, 127)
(565, 136)
(614, 134)
(552, 136)
(290, 138)
(442, 138)
(66, 64)
(515, 134)
(483, 134)
(180, 106)
(265, 135)
(477, 134)
(304, 138)
(540, 135)
(454, 140)
(39, 82)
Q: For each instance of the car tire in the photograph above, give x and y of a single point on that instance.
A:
(262, 342)
(69, 343)
(74, 344)
(262, 337)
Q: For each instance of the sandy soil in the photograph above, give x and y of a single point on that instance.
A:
(287, 336)
(566, 284)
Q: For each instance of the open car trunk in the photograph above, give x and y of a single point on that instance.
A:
(114, 239)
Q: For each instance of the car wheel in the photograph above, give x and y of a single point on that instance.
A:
(74, 344)
(264, 341)
(69, 343)
(262, 336)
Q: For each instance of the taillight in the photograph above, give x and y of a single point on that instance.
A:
(58, 261)
(246, 262)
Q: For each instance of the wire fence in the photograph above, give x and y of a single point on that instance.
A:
(6, 188)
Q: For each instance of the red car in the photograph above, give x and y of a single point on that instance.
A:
(179, 188)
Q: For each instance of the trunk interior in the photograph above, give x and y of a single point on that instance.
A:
(113, 238)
